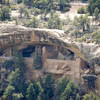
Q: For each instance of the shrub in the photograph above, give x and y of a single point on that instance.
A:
(96, 36)
(4, 13)
(63, 5)
(66, 8)
(54, 22)
(90, 96)
(81, 10)
(33, 23)
(92, 5)
(96, 13)
(83, 38)
(37, 11)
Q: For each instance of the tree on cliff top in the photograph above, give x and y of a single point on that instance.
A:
(92, 5)
(5, 13)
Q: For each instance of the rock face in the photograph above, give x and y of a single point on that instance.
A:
(11, 34)
(91, 52)
(59, 54)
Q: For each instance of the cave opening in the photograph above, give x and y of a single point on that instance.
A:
(27, 52)
(70, 55)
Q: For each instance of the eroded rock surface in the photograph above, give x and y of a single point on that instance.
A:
(60, 54)
(10, 34)
(90, 51)
(24, 36)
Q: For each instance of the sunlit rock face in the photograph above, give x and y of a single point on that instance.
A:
(22, 36)
(11, 34)
(59, 54)
(91, 52)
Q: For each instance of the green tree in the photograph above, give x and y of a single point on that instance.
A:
(41, 89)
(96, 13)
(15, 79)
(54, 22)
(48, 88)
(76, 27)
(18, 60)
(8, 93)
(33, 23)
(21, 11)
(77, 96)
(92, 5)
(30, 93)
(63, 5)
(17, 96)
(90, 96)
(5, 13)
(61, 85)
(26, 12)
(50, 5)
(67, 92)
(81, 10)
(70, 92)
(41, 4)
(82, 23)
(99, 18)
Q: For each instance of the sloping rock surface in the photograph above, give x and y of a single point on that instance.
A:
(10, 33)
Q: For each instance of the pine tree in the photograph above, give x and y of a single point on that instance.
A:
(8, 93)
(90, 96)
(61, 85)
(96, 13)
(54, 22)
(16, 79)
(17, 96)
(48, 88)
(5, 13)
(30, 93)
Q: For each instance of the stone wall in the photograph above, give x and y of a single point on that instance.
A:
(71, 69)
(67, 67)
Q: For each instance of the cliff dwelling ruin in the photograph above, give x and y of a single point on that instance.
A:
(59, 56)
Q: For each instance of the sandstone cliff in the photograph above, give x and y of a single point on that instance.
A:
(22, 35)
(60, 54)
